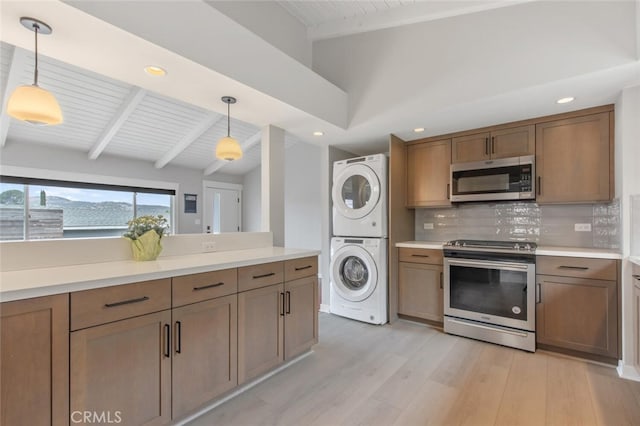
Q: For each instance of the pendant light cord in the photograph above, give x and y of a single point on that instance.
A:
(228, 119)
(36, 27)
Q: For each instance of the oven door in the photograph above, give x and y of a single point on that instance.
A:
(494, 292)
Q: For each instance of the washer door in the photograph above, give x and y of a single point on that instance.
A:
(354, 273)
(356, 191)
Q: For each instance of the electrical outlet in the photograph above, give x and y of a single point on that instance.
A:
(208, 246)
(428, 225)
(582, 227)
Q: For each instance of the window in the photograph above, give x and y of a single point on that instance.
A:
(59, 209)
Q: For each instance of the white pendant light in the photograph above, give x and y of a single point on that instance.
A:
(31, 103)
(228, 148)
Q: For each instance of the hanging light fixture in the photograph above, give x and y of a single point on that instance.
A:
(31, 103)
(228, 148)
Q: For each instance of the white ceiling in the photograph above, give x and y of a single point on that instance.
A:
(357, 89)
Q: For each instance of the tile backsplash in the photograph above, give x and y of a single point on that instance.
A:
(524, 221)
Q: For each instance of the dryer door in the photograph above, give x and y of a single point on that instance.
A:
(356, 191)
(353, 273)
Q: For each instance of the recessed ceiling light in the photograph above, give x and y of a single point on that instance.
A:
(418, 129)
(565, 100)
(318, 133)
(155, 70)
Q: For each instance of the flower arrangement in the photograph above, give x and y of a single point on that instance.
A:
(142, 224)
(145, 233)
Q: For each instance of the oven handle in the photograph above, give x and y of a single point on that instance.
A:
(486, 327)
(508, 266)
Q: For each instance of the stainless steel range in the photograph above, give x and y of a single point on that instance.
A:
(489, 291)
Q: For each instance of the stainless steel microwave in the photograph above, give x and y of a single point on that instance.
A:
(494, 180)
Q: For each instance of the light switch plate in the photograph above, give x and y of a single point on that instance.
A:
(582, 227)
(428, 225)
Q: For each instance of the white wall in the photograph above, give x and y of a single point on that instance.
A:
(251, 201)
(302, 197)
(22, 154)
(627, 184)
(289, 35)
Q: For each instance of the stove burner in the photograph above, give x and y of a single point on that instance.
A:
(484, 245)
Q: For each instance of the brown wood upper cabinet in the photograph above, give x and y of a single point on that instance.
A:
(428, 168)
(502, 143)
(34, 361)
(574, 159)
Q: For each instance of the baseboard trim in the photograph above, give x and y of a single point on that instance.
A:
(628, 372)
(325, 308)
(241, 390)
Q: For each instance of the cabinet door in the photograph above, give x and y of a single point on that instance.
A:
(34, 361)
(428, 169)
(578, 314)
(513, 142)
(122, 370)
(301, 316)
(573, 160)
(204, 352)
(260, 331)
(471, 148)
(420, 291)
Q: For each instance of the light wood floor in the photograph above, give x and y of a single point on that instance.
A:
(410, 374)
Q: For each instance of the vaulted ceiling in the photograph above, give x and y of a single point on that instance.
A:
(357, 70)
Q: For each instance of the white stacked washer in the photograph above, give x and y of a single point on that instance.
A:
(359, 249)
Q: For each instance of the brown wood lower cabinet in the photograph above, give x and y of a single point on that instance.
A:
(578, 314)
(122, 370)
(635, 276)
(204, 352)
(275, 323)
(34, 361)
(420, 293)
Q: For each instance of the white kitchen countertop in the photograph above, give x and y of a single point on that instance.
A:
(28, 283)
(578, 252)
(436, 245)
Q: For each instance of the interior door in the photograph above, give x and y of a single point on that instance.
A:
(222, 210)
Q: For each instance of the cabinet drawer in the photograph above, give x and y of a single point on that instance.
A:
(103, 305)
(418, 255)
(209, 285)
(256, 276)
(580, 267)
(300, 268)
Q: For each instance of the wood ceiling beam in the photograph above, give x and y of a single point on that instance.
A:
(120, 117)
(246, 145)
(17, 67)
(188, 139)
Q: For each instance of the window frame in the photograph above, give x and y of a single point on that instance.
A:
(28, 176)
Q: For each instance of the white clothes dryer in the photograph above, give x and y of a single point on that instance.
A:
(359, 197)
(359, 278)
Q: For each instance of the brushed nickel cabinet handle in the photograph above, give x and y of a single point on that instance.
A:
(486, 146)
(282, 300)
(538, 293)
(448, 194)
(420, 255)
(303, 267)
(255, 277)
(167, 340)
(126, 302)
(204, 287)
(539, 185)
(493, 145)
(577, 268)
(178, 338)
(288, 302)
(441, 280)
